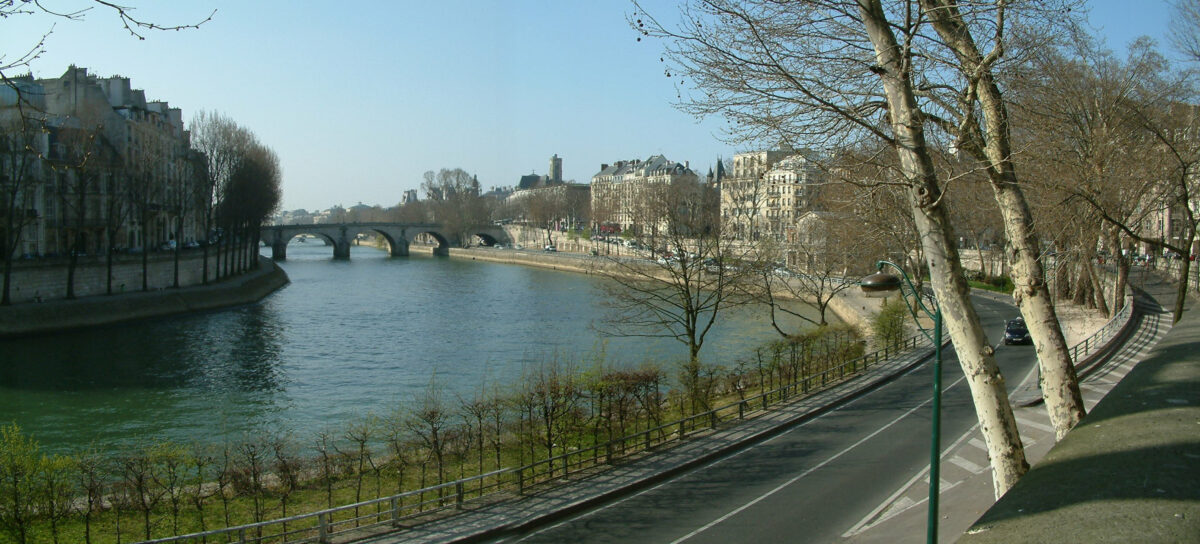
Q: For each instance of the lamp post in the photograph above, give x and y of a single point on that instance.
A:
(882, 284)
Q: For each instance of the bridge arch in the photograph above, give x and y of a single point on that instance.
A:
(342, 235)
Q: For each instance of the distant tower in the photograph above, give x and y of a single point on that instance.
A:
(555, 169)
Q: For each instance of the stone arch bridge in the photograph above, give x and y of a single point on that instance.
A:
(398, 235)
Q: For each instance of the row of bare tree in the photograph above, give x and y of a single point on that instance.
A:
(226, 185)
(922, 103)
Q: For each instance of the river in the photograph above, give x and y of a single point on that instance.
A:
(343, 340)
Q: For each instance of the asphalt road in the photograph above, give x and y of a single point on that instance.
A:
(810, 483)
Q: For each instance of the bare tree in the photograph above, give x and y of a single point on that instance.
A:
(91, 480)
(20, 169)
(428, 420)
(1185, 28)
(824, 257)
(1129, 134)
(135, 26)
(842, 74)
(288, 468)
(222, 144)
(454, 198)
(250, 196)
(696, 271)
(19, 456)
(545, 208)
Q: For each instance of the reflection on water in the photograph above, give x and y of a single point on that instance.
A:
(342, 340)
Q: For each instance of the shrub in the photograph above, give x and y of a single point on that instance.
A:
(890, 325)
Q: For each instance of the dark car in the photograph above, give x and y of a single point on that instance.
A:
(1015, 332)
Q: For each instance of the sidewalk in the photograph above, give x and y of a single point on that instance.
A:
(1128, 472)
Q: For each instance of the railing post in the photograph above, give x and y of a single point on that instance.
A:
(742, 410)
(242, 535)
(682, 429)
(713, 419)
(395, 512)
(323, 528)
(458, 495)
(520, 481)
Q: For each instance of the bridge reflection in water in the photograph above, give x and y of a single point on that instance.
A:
(398, 236)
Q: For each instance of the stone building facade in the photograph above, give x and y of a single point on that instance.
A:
(112, 169)
(766, 193)
(620, 189)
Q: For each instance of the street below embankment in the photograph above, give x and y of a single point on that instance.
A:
(811, 483)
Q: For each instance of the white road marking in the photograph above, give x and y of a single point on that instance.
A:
(1034, 424)
(966, 465)
(740, 452)
(797, 478)
(868, 521)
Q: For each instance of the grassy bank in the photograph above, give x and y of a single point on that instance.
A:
(163, 489)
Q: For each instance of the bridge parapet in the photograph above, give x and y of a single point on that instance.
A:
(398, 235)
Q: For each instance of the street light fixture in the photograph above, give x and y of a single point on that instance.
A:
(882, 284)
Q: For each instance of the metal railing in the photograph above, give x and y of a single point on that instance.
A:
(321, 526)
(1101, 337)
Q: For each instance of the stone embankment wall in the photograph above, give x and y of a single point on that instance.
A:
(849, 306)
(59, 315)
(44, 281)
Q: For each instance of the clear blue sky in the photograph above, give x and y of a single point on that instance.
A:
(360, 99)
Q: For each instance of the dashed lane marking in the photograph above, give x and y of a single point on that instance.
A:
(1034, 424)
(966, 465)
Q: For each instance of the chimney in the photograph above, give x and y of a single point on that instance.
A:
(603, 167)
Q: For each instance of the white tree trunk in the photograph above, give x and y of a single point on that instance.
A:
(992, 408)
(1060, 386)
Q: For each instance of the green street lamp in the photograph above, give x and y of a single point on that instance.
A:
(882, 284)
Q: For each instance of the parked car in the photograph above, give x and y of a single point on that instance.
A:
(551, 248)
(1015, 332)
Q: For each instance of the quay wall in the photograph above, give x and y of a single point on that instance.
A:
(58, 315)
(34, 281)
(848, 306)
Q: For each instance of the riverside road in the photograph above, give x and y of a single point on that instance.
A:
(810, 483)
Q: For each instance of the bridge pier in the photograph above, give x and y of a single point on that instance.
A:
(399, 247)
(442, 250)
(341, 250)
(279, 249)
